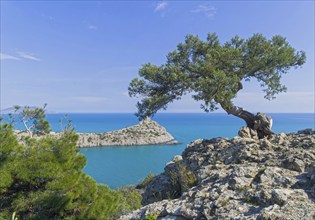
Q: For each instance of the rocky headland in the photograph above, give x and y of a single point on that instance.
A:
(147, 132)
(239, 178)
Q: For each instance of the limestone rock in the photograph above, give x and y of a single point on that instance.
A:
(306, 131)
(147, 132)
(246, 132)
(241, 178)
(176, 179)
(295, 164)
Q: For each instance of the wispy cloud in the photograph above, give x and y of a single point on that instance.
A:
(160, 6)
(4, 56)
(205, 9)
(28, 56)
(92, 27)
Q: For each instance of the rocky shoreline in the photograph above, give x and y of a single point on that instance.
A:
(239, 178)
(147, 132)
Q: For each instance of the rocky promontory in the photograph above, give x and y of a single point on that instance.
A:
(147, 132)
(239, 178)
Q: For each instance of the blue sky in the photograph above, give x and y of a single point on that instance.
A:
(79, 56)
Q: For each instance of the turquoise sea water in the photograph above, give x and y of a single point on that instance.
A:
(119, 166)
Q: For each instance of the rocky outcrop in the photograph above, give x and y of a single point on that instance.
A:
(147, 132)
(239, 178)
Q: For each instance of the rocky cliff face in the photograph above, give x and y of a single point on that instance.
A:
(147, 132)
(240, 178)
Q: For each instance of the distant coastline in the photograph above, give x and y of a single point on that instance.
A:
(147, 132)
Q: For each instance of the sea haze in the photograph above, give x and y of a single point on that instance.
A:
(119, 166)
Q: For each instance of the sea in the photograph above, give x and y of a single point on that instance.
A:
(119, 166)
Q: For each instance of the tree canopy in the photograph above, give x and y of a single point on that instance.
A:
(43, 178)
(33, 119)
(214, 72)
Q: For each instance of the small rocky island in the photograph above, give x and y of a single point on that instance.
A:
(239, 178)
(147, 132)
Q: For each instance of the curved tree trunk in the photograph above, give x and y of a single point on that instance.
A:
(260, 122)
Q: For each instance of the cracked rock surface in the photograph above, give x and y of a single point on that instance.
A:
(239, 178)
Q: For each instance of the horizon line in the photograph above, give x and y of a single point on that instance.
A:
(170, 113)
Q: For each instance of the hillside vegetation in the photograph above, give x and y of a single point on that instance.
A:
(43, 179)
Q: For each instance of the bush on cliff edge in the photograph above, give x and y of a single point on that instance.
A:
(43, 179)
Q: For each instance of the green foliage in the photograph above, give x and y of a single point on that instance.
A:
(151, 217)
(43, 179)
(129, 199)
(213, 72)
(14, 217)
(33, 119)
(146, 181)
(68, 126)
(181, 179)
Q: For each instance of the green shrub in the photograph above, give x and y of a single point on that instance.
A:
(146, 181)
(181, 179)
(151, 217)
(129, 199)
(43, 179)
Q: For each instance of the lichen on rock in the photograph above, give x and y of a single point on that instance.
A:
(239, 178)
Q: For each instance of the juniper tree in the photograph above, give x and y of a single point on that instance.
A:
(214, 73)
